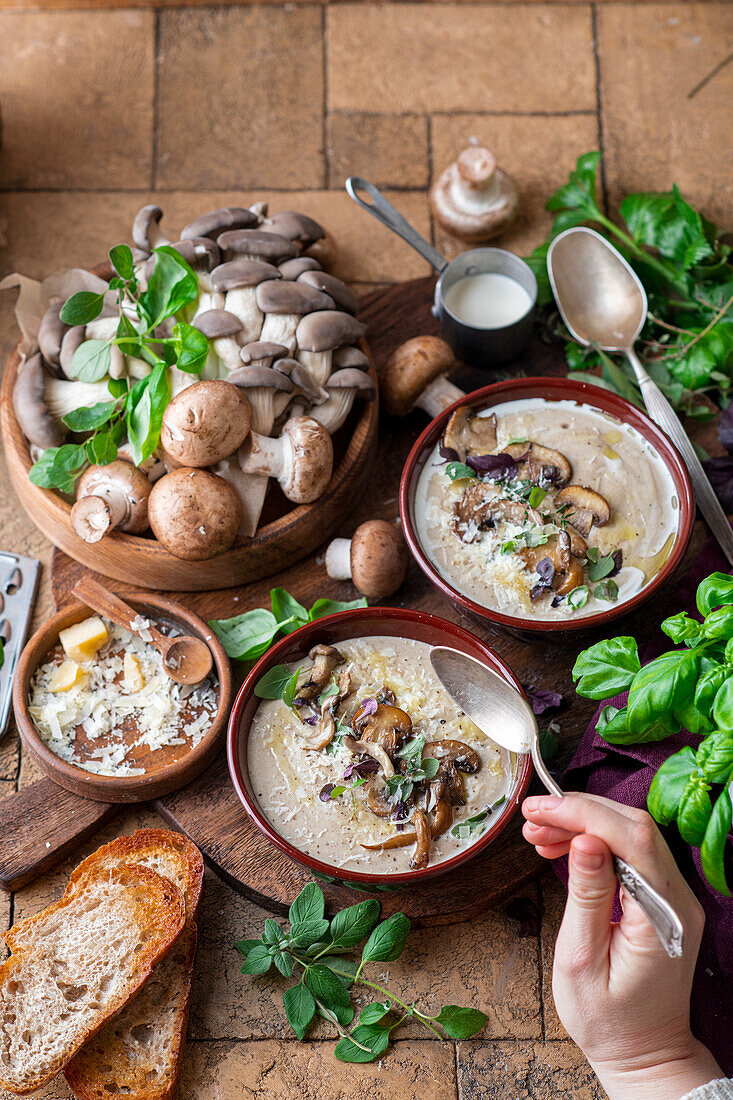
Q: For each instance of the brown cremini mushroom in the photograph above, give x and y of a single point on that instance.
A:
(205, 423)
(416, 375)
(111, 498)
(301, 459)
(375, 558)
(194, 514)
(568, 572)
(466, 433)
(473, 199)
(541, 465)
(583, 508)
(318, 737)
(313, 680)
(388, 726)
(218, 221)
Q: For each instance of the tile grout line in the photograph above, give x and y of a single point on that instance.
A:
(599, 103)
(429, 137)
(541, 958)
(156, 88)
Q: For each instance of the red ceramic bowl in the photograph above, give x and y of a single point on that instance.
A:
(553, 389)
(364, 622)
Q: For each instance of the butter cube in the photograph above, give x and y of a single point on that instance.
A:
(82, 641)
(66, 676)
(132, 674)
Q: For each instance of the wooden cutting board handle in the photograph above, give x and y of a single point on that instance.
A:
(40, 826)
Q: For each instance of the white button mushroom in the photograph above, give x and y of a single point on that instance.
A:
(319, 334)
(374, 558)
(301, 459)
(108, 498)
(415, 375)
(473, 199)
(205, 423)
(194, 514)
(284, 303)
(344, 387)
(238, 280)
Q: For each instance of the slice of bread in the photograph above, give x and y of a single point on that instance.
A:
(139, 1054)
(75, 964)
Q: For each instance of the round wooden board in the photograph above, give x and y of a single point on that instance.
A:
(287, 534)
(208, 810)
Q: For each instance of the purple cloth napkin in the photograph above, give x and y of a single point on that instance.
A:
(624, 773)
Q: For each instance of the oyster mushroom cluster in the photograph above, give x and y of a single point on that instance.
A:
(283, 371)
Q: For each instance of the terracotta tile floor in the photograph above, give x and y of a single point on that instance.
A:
(196, 107)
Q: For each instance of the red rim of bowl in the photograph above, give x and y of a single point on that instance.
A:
(330, 629)
(553, 389)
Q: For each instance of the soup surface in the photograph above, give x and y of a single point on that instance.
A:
(550, 510)
(322, 799)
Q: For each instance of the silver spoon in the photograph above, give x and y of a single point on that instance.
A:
(502, 714)
(602, 302)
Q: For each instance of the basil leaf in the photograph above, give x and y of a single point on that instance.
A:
(387, 941)
(258, 961)
(86, 419)
(681, 628)
(291, 687)
(350, 926)
(325, 986)
(246, 637)
(694, 720)
(59, 467)
(371, 1036)
(300, 1008)
(715, 756)
(128, 339)
(101, 449)
(660, 686)
(618, 732)
(548, 745)
(145, 407)
(460, 1023)
(90, 361)
(578, 597)
(273, 683)
(305, 933)
(715, 590)
(309, 905)
(723, 705)
(286, 609)
(373, 1013)
(694, 810)
(171, 286)
(712, 849)
(601, 567)
(81, 308)
(120, 256)
(707, 688)
(322, 607)
(192, 348)
(458, 471)
(719, 623)
(606, 668)
(669, 784)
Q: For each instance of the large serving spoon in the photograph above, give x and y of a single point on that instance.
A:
(186, 659)
(602, 302)
(502, 714)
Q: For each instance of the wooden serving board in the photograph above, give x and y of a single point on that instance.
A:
(208, 810)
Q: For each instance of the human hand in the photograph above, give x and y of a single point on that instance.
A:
(623, 1000)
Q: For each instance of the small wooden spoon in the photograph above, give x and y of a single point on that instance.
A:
(186, 659)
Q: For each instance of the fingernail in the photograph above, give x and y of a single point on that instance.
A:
(537, 803)
(587, 861)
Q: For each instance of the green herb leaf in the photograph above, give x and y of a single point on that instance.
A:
(120, 256)
(715, 756)
(694, 810)
(715, 590)
(459, 471)
(669, 784)
(290, 689)
(90, 361)
(171, 286)
(287, 610)
(682, 628)
(719, 623)
(307, 932)
(536, 496)
(599, 567)
(191, 347)
(309, 905)
(578, 597)
(579, 193)
(59, 467)
(350, 926)
(273, 683)
(258, 960)
(666, 222)
(145, 407)
(245, 946)
(323, 607)
(707, 688)
(273, 932)
(373, 1013)
(723, 705)
(460, 1023)
(101, 449)
(344, 968)
(300, 1008)
(660, 686)
(387, 941)
(606, 668)
(371, 1036)
(246, 637)
(606, 590)
(86, 419)
(548, 745)
(712, 849)
(411, 752)
(325, 986)
(81, 308)
(284, 963)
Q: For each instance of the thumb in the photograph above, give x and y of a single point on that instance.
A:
(585, 933)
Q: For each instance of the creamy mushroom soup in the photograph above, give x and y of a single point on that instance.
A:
(545, 510)
(374, 768)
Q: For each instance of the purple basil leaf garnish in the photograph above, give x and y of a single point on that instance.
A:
(541, 700)
(368, 706)
(494, 467)
(557, 600)
(537, 591)
(725, 429)
(618, 561)
(325, 794)
(362, 768)
(448, 453)
(400, 811)
(720, 471)
(311, 720)
(546, 571)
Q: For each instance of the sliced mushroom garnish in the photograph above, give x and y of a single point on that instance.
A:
(315, 738)
(465, 758)
(325, 659)
(568, 572)
(371, 749)
(474, 512)
(388, 726)
(423, 835)
(583, 508)
(540, 465)
(468, 434)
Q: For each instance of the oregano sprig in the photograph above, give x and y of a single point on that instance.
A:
(319, 953)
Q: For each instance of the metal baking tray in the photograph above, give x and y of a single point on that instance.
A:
(18, 586)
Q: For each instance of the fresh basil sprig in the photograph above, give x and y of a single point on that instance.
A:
(690, 687)
(319, 949)
(246, 637)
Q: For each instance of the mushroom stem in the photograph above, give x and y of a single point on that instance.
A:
(438, 396)
(109, 497)
(338, 560)
(301, 458)
(242, 302)
(63, 397)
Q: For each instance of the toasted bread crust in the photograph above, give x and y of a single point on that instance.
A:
(158, 907)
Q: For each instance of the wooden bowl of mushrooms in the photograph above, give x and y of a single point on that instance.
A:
(193, 414)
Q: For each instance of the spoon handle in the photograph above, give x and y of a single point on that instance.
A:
(386, 213)
(664, 415)
(100, 599)
(660, 914)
